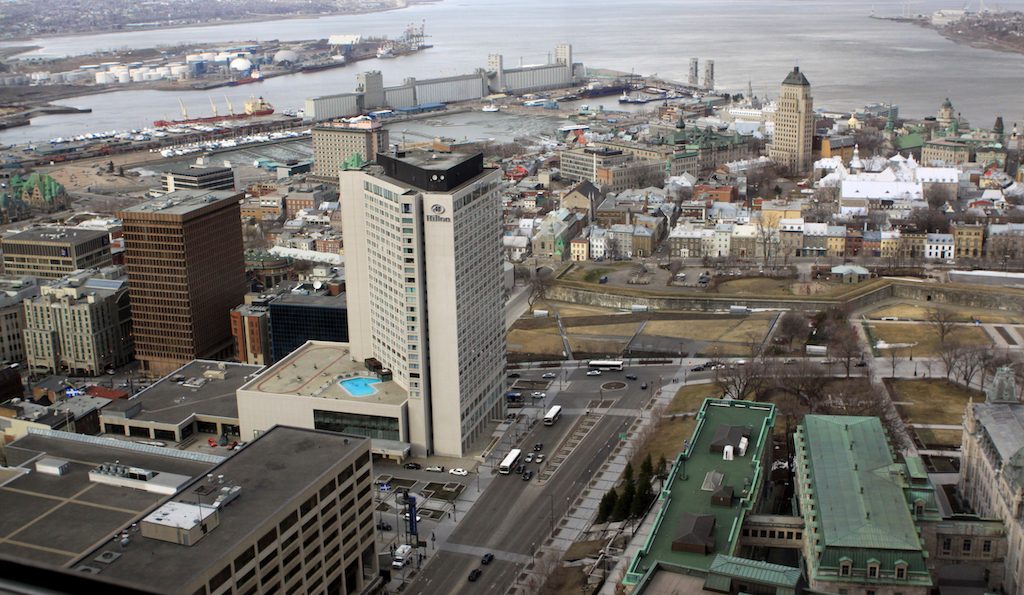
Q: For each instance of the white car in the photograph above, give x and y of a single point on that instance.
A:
(594, 373)
(549, 375)
(435, 468)
(539, 395)
(459, 471)
(418, 517)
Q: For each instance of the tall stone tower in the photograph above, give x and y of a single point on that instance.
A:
(692, 81)
(709, 75)
(794, 124)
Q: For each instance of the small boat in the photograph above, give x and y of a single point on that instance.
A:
(490, 107)
(386, 50)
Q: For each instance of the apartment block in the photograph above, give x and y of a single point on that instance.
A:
(794, 124)
(334, 143)
(185, 274)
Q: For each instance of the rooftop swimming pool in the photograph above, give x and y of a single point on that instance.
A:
(359, 386)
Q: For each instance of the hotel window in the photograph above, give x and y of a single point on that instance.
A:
(967, 546)
(873, 569)
(844, 567)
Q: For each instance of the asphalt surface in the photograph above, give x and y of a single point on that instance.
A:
(512, 518)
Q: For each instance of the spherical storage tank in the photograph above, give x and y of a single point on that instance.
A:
(286, 56)
(240, 65)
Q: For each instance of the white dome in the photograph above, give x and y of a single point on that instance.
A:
(241, 64)
(286, 56)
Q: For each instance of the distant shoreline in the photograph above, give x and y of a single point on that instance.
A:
(257, 19)
(981, 43)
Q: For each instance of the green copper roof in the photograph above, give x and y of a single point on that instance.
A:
(795, 77)
(857, 484)
(913, 140)
(755, 571)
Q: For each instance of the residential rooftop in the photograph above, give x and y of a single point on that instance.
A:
(202, 387)
(56, 519)
(316, 369)
(689, 517)
(271, 471)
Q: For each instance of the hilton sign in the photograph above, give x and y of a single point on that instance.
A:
(437, 215)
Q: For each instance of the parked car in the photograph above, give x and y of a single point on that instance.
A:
(538, 447)
(520, 469)
(436, 468)
(549, 375)
(861, 364)
(697, 369)
(513, 375)
(539, 458)
(789, 361)
(630, 376)
(382, 526)
(474, 574)
(593, 372)
(459, 471)
(643, 386)
(487, 558)
(528, 458)
(406, 517)
(538, 395)
(413, 466)
(528, 476)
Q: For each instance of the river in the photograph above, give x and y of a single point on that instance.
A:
(849, 58)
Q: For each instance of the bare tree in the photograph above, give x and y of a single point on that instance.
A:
(970, 362)
(792, 326)
(805, 381)
(943, 321)
(895, 357)
(739, 381)
(539, 285)
(767, 241)
(948, 354)
(844, 346)
(862, 399)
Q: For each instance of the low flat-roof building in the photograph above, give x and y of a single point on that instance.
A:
(54, 252)
(318, 386)
(197, 398)
(199, 178)
(714, 483)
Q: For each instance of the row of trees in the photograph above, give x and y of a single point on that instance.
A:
(635, 497)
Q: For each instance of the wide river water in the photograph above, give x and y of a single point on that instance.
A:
(849, 58)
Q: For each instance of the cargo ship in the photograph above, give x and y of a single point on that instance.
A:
(254, 108)
(254, 76)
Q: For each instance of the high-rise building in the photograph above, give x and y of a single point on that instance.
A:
(250, 326)
(55, 252)
(563, 54)
(199, 178)
(692, 81)
(709, 75)
(424, 277)
(13, 290)
(334, 143)
(794, 124)
(185, 274)
(81, 324)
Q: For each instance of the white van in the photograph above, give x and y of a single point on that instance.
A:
(402, 556)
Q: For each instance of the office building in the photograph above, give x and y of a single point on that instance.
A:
(180, 522)
(425, 299)
(185, 274)
(794, 124)
(80, 324)
(199, 178)
(992, 471)
(250, 327)
(306, 315)
(334, 143)
(860, 508)
(55, 252)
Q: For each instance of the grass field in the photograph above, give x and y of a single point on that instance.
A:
(541, 342)
(689, 398)
(715, 329)
(568, 310)
(586, 345)
(910, 311)
(757, 286)
(939, 438)
(934, 401)
(666, 441)
(625, 329)
(924, 338)
(725, 350)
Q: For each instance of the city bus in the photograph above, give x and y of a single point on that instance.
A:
(552, 415)
(509, 462)
(606, 364)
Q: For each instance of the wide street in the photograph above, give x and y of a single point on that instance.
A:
(512, 518)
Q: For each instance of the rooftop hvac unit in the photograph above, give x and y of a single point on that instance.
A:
(744, 442)
(727, 453)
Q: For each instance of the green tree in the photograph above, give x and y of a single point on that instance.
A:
(643, 496)
(646, 468)
(607, 506)
(627, 473)
(624, 503)
(662, 466)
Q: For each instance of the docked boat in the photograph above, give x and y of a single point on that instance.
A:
(254, 108)
(490, 107)
(386, 50)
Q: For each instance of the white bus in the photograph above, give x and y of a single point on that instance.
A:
(552, 415)
(606, 364)
(510, 461)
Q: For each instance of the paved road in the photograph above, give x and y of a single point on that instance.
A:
(513, 517)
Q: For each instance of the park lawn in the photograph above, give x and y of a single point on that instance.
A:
(924, 337)
(587, 345)
(688, 399)
(622, 329)
(759, 286)
(719, 349)
(540, 342)
(666, 440)
(566, 310)
(933, 400)
(687, 329)
(940, 438)
(751, 327)
(911, 311)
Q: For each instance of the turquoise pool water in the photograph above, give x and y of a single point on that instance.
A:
(359, 387)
